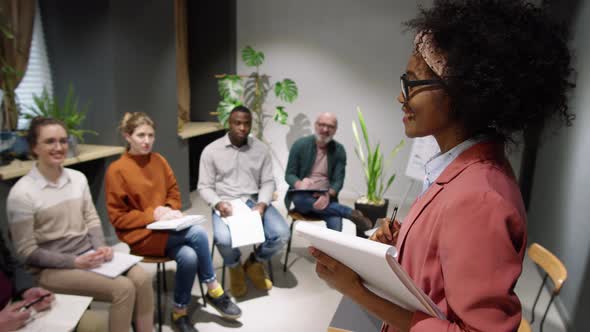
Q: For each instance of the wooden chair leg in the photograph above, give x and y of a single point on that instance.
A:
(289, 245)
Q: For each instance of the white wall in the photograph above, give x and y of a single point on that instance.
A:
(341, 53)
(344, 53)
(558, 213)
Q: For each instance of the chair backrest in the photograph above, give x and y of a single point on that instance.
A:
(553, 268)
(335, 329)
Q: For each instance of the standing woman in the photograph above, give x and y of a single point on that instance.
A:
(140, 189)
(481, 71)
(53, 224)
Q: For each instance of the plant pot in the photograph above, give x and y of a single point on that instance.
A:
(13, 146)
(373, 212)
(73, 150)
(20, 148)
(7, 139)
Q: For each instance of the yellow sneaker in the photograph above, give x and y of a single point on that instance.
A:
(255, 271)
(237, 281)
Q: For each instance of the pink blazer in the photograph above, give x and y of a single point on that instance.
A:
(463, 243)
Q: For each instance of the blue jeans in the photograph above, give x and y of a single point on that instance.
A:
(332, 214)
(190, 249)
(276, 234)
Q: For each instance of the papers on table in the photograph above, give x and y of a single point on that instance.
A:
(120, 263)
(177, 224)
(64, 314)
(375, 263)
(245, 225)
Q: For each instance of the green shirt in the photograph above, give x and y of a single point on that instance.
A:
(302, 157)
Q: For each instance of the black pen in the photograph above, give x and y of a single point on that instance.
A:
(392, 220)
(35, 301)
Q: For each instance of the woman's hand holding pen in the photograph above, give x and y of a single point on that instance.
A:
(39, 298)
(388, 231)
(385, 234)
(12, 317)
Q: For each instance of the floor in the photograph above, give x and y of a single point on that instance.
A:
(299, 301)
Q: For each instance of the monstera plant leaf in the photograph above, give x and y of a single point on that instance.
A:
(224, 108)
(251, 57)
(230, 87)
(281, 115)
(286, 90)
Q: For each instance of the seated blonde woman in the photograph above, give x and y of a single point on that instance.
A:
(54, 226)
(141, 188)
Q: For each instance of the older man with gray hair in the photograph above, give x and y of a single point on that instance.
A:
(316, 170)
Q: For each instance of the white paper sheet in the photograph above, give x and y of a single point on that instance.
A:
(368, 259)
(245, 225)
(120, 263)
(177, 224)
(64, 315)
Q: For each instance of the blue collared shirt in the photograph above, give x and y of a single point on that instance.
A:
(439, 162)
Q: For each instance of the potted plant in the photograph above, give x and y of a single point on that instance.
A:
(68, 113)
(375, 168)
(251, 91)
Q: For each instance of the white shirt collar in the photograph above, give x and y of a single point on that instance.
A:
(63, 179)
(439, 162)
(228, 142)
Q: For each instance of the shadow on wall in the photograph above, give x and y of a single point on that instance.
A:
(301, 127)
(580, 321)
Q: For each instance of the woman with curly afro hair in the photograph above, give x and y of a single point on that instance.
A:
(481, 71)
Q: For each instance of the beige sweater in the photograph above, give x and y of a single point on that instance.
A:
(52, 223)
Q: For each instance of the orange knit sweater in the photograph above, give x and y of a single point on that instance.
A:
(135, 186)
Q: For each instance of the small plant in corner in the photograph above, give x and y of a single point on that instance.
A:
(251, 91)
(373, 163)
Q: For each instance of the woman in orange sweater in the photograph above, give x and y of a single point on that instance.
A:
(140, 189)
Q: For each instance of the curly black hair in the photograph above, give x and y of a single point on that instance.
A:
(508, 63)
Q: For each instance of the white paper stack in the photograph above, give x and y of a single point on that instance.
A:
(177, 224)
(120, 263)
(245, 225)
(64, 314)
(375, 263)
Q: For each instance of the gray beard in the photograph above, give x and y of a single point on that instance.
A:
(323, 140)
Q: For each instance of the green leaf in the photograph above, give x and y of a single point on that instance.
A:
(364, 129)
(251, 57)
(230, 87)
(397, 148)
(389, 182)
(286, 90)
(7, 33)
(281, 115)
(69, 113)
(223, 110)
(374, 165)
(359, 149)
